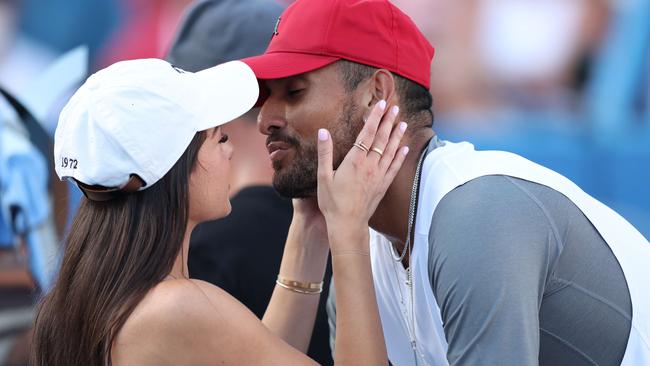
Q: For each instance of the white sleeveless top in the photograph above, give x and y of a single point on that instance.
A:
(455, 164)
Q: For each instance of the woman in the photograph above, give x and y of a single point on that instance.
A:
(142, 141)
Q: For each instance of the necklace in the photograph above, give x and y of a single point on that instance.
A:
(410, 323)
(414, 197)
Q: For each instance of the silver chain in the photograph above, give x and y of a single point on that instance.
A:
(414, 190)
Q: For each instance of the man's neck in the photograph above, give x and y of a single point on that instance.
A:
(392, 214)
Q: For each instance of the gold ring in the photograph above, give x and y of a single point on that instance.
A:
(378, 151)
(361, 146)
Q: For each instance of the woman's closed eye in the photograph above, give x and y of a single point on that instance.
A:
(223, 138)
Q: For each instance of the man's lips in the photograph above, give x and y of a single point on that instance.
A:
(277, 149)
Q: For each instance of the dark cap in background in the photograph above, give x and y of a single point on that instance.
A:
(216, 31)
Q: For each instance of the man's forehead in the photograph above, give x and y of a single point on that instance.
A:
(324, 73)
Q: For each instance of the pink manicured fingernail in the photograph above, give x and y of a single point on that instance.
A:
(322, 134)
(402, 126)
(382, 104)
(405, 150)
(394, 110)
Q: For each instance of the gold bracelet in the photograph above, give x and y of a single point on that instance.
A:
(344, 252)
(300, 287)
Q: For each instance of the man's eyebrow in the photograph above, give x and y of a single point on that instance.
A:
(301, 77)
(294, 78)
(285, 82)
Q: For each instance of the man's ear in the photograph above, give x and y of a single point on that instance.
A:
(381, 87)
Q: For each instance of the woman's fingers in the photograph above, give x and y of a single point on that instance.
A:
(383, 133)
(367, 135)
(367, 170)
(393, 145)
(325, 168)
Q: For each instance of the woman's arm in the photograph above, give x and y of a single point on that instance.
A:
(290, 314)
(359, 339)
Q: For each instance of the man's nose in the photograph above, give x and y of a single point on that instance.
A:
(270, 118)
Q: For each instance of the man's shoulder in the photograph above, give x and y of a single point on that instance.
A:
(501, 197)
(493, 218)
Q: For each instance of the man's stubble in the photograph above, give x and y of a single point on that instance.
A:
(298, 180)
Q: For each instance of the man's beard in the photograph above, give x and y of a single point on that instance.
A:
(298, 180)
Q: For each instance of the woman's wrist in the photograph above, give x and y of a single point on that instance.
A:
(309, 288)
(307, 231)
(349, 239)
(304, 258)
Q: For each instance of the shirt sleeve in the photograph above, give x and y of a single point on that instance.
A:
(490, 249)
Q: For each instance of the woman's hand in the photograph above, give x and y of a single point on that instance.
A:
(349, 196)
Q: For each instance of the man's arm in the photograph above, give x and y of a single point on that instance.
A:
(491, 245)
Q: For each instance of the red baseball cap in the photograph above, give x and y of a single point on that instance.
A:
(311, 34)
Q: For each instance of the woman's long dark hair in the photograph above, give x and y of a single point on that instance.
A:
(115, 252)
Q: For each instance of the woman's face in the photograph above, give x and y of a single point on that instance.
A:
(209, 181)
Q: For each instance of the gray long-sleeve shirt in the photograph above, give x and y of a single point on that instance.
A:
(523, 278)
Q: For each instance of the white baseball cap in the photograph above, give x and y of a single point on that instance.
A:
(137, 117)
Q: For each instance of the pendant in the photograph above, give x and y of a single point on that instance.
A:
(409, 281)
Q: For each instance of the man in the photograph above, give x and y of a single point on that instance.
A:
(479, 258)
(241, 253)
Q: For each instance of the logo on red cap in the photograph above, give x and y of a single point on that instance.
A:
(275, 30)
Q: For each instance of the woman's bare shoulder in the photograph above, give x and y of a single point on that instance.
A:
(174, 317)
(185, 299)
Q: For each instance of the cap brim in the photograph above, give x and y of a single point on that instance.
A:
(278, 65)
(225, 92)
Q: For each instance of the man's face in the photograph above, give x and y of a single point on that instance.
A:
(291, 116)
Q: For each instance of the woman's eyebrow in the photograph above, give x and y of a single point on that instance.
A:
(214, 131)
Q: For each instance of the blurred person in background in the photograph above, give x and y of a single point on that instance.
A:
(146, 30)
(221, 251)
(478, 257)
(499, 57)
(22, 58)
(539, 52)
(65, 24)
